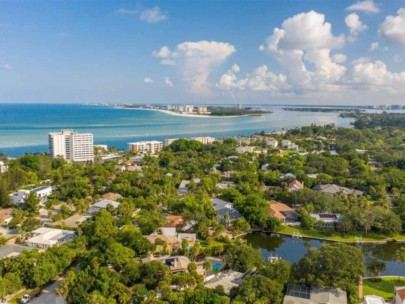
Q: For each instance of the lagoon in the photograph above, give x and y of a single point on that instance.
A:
(293, 249)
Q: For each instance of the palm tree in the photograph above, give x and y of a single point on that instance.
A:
(400, 258)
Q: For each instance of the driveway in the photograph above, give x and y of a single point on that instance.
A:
(49, 296)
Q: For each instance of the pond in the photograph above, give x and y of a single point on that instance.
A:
(293, 249)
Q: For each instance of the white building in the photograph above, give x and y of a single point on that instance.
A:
(47, 237)
(149, 147)
(204, 139)
(20, 196)
(373, 300)
(72, 146)
(3, 167)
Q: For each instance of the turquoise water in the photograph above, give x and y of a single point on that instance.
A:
(217, 266)
(24, 127)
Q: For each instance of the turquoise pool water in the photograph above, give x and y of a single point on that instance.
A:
(217, 266)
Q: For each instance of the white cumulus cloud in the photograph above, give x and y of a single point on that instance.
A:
(376, 76)
(354, 24)
(196, 60)
(302, 46)
(168, 82)
(393, 28)
(148, 80)
(339, 58)
(367, 6)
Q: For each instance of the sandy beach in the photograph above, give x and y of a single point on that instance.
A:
(180, 114)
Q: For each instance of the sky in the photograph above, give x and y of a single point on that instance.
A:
(203, 52)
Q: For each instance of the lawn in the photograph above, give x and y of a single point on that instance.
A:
(383, 288)
(370, 237)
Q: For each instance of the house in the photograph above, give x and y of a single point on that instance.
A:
(285, 142)
(170, 242)
(176, 263)
(284, 213)
(247, 149)
(111, 196)
(134, 168)
(184, 185)
(190, 237)
(227, 279)
(327, 220)
(224, 185)
(297, 294)
(399, 295)
(47, 237)
(6, 215)
(102, 204)
(295, 186)
(223, 207)
(174, 220)
(10, 251)
(373, 300)
(334, 189)
(42, 193)
(73, 221)
(168, 231)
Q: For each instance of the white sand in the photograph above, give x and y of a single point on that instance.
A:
(180, 114)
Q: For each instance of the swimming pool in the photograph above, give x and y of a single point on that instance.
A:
(217, 266)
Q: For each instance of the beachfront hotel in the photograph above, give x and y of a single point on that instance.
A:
(72, 146)
(149, 147)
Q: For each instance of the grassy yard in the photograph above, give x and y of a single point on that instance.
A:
(383, 288)
(370, 237)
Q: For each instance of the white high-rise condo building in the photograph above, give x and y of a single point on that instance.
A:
(72, 146)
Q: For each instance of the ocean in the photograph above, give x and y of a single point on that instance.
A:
(24, 127)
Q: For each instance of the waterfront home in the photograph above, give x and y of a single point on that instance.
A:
(295, 186)
(184, 185)
(334, 189)
(284, 213)
(227, 279)
(374, 300)
(326, 219)
(223, 207)
(42, 193)
(297, 294)
(47, 237)
(399, 295)
(102, 204)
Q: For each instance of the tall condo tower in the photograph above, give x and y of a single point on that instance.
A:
(72, 146)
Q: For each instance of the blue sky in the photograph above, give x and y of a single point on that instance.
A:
(324, 51)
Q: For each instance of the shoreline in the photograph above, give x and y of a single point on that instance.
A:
(326, 239)
(189, 115)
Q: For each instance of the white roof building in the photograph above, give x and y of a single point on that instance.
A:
(373, 300)
(47, 237)
(20, 196)
(93, 209)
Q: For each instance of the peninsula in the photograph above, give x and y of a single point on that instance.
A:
(200, 111)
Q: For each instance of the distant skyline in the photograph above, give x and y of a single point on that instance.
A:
(203, 52)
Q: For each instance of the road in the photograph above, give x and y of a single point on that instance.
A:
(49, 296)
